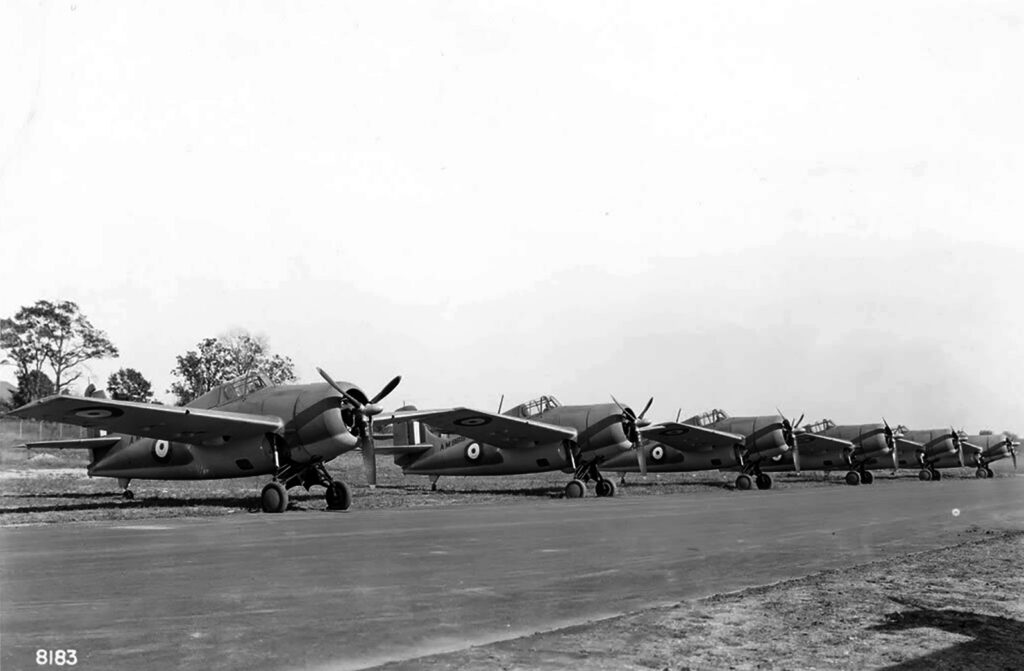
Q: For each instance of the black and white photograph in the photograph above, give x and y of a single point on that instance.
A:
(511, 335)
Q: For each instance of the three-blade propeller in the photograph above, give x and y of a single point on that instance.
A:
(631, 425)
(789, 434)
(364, 421)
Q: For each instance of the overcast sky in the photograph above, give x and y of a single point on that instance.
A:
(725, 205)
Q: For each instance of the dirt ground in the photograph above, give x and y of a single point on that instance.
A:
(49, 486)
(960, 607)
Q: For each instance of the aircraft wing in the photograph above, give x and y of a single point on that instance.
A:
(76, 443)
(402, 449)
(814, 442)
(498, 430)
(188, 425)
(912, 445)
(689, 438)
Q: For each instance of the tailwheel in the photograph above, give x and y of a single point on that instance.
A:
(853, 478)
(274, 498)
(743, 482)
(605, 488)
(575, 489)
(763, 480)
(924, 475)
(867, 477)
(988, 469)
(128, 494)
(338, 496)
(981, 473)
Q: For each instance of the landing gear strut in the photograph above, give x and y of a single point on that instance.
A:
(125, 492)
(577, 488)
(274, 498)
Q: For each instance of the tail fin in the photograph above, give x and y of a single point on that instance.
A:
(410, 439)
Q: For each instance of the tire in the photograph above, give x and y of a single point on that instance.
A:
(763, 481)
(575, 489)
(853, 478)
(128, 495)
(743, 482)
(936, 476)
(981, 473)
(989, 471)
(924, 475)
(867, 477)
(605, 488)
(274, 498)
(338, 496)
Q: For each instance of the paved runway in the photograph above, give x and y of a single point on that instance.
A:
(343, 590)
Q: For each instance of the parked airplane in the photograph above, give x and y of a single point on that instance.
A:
(932, 449)
(242, 428)
(716, 440)
(538, 436)
(986, 448)
(870, 444)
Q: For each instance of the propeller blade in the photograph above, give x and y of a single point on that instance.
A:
(369, 455)
(625, 411)
(646, 407)
(796, 455)
(797, 423)
(388, 388)
(641, 458)
(338, 389)
(679, 413)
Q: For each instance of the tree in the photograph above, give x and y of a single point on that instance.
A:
(55, 334)
(217, 360)
(128, 384)
(31, 386)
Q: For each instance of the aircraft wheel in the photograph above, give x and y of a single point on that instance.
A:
(743, 482)
(981, 473)
(338, 496)
(575, 490)
(128, 494)
(763, 481)
(924, 475)
(853, 478)
(605, 488)
(274, 498)
(867, 477)
(988, 470)
(936, 476)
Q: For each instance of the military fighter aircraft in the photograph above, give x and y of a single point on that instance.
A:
(986, 448)
(242, 428)
(538, 436)
(716, 440)
(869, 444)
(932, 449)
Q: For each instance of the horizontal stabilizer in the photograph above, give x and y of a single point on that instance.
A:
(98, 443)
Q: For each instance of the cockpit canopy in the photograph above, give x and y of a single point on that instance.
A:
(232, 390)
(822, 425)
(534, 407)
(707, 418)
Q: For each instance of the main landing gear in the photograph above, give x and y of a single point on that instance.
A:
(984, 472)
(862, 476)
(928, 473)
(577, 487)
(274, 497)
(745, 482)
(126, 493)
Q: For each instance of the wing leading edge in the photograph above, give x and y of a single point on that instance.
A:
(189, 425)
(498, 430)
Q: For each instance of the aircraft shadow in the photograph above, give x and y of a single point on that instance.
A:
(685, 484)
(113, 501)
(997, 642)
(527, 492)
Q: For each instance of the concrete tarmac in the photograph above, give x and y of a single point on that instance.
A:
(348, 590)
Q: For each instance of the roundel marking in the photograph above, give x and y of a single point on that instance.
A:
(473, 451)
(777, 457)
(161, 450)
(658, 453)
(478, 420)
(674, 432)
(97, 412)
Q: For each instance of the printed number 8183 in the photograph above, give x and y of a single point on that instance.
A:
(56, 657)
